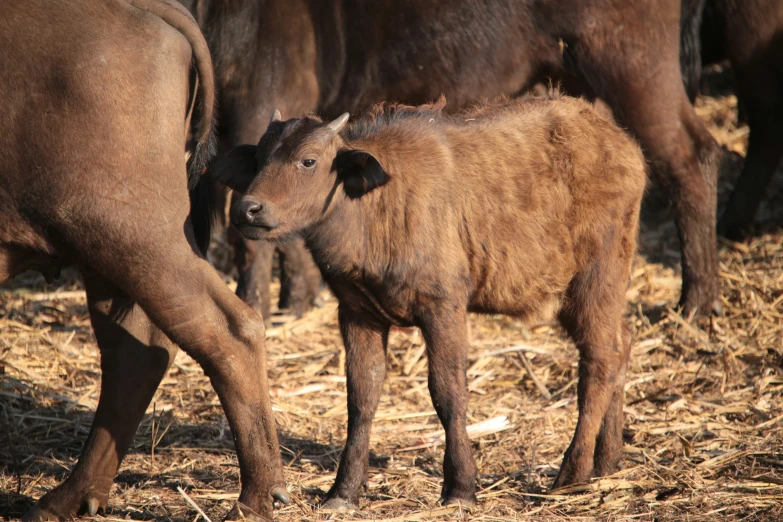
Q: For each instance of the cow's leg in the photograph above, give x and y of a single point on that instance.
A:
(445, 332)
(640, 79)
(254, 264)
(187, 299)
(134, 357)
(685, 158)
(761, 93)
(300, 279)
(365, 370)
(592, 316)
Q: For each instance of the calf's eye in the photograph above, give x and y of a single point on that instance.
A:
(308, 163)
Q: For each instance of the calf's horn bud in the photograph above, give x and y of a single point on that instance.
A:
(338, 124)
(276, 116)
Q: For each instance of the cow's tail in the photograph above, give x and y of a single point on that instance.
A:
(203, 145)
(690, 45)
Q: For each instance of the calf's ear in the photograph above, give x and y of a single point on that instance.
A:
(359, 171)
(237, 169)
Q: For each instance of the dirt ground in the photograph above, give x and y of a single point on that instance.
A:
(704, 401)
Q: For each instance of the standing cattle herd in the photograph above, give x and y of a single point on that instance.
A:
(413, 214)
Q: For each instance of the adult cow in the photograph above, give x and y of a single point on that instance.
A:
(95, 117)
(749, 33)
(345, 55)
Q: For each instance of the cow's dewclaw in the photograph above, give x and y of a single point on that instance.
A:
(280, 494)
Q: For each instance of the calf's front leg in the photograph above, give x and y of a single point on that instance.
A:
(445, 332)
(365, 370)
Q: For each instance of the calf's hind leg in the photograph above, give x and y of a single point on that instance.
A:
(592, 316)
(609, 446)
(134, 357)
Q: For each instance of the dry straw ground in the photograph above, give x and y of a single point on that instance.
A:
(704, 403)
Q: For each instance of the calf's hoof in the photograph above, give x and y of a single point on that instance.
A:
(571, 477)
(465, 502)
(338, 504)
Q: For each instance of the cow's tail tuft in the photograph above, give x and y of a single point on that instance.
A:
(690, 45)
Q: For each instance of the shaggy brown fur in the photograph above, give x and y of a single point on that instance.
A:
(417, 218)
(95, 117)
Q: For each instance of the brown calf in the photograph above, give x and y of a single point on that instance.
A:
(95, 113)
(417, 218)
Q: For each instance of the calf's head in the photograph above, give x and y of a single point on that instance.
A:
(294, 174)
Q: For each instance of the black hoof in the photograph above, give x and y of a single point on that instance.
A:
(464, 503)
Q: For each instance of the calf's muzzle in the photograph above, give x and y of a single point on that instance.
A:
(249, 213)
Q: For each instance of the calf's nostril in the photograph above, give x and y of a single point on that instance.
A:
(248, 210)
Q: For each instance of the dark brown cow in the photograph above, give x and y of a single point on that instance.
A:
(95, 116)
(749, 33)
(415, 219)
(345, 55)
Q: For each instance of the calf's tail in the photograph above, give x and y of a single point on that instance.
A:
(204, 144)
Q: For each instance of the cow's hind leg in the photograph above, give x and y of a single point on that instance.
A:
(639, 77)
(592, 315)
(188, 300)
(762, 95)
(300, 279)
(254, 265)
(134, 358)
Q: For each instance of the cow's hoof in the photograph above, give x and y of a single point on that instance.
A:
(734, 229)
(338, 504)
(39, 514)
(91, 506)
(242, 512)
